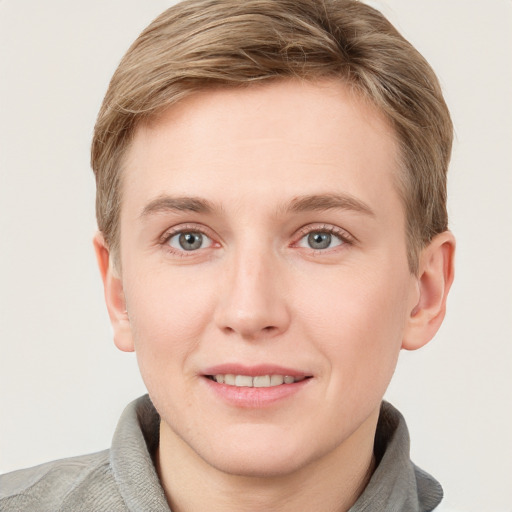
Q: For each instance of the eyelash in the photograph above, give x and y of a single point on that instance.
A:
(341, 234)
(186, 228)
(345, 237)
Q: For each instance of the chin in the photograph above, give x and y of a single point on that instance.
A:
(257, 466)
(266, 457)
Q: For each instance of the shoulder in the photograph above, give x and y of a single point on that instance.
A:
(67, 484)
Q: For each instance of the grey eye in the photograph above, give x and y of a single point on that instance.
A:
(320, 240)
(189, 241)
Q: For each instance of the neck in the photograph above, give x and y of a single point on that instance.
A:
(331, 483)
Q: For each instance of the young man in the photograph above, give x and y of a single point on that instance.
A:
(271, 202)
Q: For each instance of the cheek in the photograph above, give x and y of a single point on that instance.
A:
(168, 312)
(357, 320)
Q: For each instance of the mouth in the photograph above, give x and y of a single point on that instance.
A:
(257, 381)
(255, 386)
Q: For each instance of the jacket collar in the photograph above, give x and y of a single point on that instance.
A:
(396, 484)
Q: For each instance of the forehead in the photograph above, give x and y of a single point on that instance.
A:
(245, 143)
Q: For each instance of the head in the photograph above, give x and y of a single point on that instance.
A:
(200, 44)
(271, 202)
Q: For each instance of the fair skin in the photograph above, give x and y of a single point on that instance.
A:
(262, 235)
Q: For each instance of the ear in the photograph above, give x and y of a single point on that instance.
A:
(114, 295)
(435, 277)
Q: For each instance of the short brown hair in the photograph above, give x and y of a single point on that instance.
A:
(198, 44)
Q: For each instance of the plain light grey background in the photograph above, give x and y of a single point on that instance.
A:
(62, 382)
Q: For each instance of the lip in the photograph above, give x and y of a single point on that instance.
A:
(253, 370)
(254, 398)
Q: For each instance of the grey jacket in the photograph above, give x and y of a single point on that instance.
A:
(124, 478)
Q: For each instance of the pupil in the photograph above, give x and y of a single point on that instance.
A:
(191, 241)
(319, 240)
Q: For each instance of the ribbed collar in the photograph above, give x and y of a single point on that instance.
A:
(134, 442)
(396, 485)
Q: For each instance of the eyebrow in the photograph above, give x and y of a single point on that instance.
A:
(300, 204)
(180, 204)
(321, 202)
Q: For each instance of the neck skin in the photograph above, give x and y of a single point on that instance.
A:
(332, 483)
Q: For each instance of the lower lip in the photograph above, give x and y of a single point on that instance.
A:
(255, 398)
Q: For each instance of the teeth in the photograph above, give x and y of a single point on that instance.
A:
(228, 379)
(276, 380)
(260, 381)
(243, 381)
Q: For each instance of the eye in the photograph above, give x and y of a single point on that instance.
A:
(321, 239)
(189, 241)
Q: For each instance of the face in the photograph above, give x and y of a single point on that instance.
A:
(264, 271)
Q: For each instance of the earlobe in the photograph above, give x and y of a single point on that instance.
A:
(114, 295)
(435, 277)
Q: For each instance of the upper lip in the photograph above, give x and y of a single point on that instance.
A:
(253, 370)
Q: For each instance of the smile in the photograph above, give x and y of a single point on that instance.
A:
(259, 381)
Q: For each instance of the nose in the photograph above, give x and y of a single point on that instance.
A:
(252, 297)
